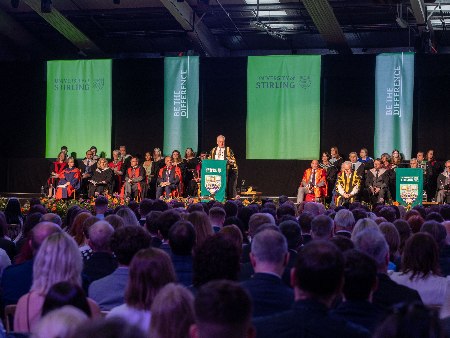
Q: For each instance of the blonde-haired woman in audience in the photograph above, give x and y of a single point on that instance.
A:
(172, 301)
(128, 216)
(58, 260)
(150, 270)
(60, 323)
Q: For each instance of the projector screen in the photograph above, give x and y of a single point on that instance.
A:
(283, 107)
(78, 106)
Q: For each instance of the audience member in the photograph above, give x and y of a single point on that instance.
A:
(182, 241)
(222, 310)
(202, 225)
(217, 217)
(66, 293)
(58, 260)
(344, 221)
(51, 217)
(269, 257)
(321, 228)
(108, 328)
(150, 269)
(109, 291)
(317, 279)
(172, 312)
(128, 216)
(389, 293)
(60, 323)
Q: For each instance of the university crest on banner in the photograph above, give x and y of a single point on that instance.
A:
(213, 183)
(214, 179)
(409, 186)
(409, 192)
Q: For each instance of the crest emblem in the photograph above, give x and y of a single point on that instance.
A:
(213, 183)
(409, 192)
(304, 81)
(98, 84)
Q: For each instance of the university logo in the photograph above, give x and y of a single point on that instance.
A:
(304, 81)
(98, 84)
(409, 192)
(213, 183)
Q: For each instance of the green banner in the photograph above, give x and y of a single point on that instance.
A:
(181, 77)
(283, 107)
(78, 106)
(394, 86)
(214, 179)
(409, 186)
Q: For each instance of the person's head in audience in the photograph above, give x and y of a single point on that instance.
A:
(150, 222)
(291, 230)
(99, 236)
(30, 222)
(128, 240)
(72, 212)
(360, 274)
(312, 208)
(77, 231)
(344, 220)
(101, 205)
(286, 209)
(434, 216)
(318, 273)
(436, 230)
(343, 243)
(58, 260)
(363, 224)
(60, 323)
(411, 320)
(223, 309)
(51, 217)
(217, 258)
(321, 228)
(128, 216)
(145, 207)
(269, 252)
(38, 208)
(40, 232)
(358, 214)
(372, 242)
(445, 212)
(182, 238)
(388, 213)
(258, 219)
(66, 293)
(115, 221)
(160, 205)
(304, 220)
(150, 270)
(165, 221)
(233, 234)
(172, 312)
(421, 256)
(114, 327)
(231, 209)
(415, 222)
(13, 212)
(217, 216)
(404, 230)
(392, 238)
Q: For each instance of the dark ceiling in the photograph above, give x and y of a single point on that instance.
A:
(146, 28)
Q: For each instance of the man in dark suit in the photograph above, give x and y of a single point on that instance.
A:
(389, 293)
(269, 257)
(317, 278)
(134, 181)
(168, 178)
(377, 183)
(225, 153)
(360, 283)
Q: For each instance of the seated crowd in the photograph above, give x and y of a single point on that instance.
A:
(158, 269)
(370, 180)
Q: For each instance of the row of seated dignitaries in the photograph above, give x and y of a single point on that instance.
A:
(289, 272)
(152, 176)
(371, 181)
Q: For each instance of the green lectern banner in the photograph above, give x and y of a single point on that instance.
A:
(394, 85)
(181, 76)
(214, 179)
(409, 186)
(283, 107)
(78, 106)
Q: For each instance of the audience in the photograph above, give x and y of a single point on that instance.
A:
(182, 241)
(60, 323)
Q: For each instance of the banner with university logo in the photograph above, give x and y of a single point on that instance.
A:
(409, 186)
(394, 86)
(283, 107)
(79, 111)
(181, 91)
(214, 179)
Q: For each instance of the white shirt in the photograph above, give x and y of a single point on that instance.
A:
(220, 153)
